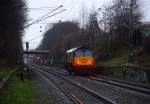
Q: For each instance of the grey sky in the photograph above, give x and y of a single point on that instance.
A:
(73, 8)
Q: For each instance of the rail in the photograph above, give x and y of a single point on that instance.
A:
(103, 99)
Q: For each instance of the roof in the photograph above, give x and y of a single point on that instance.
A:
(71, 50)
(76, 48)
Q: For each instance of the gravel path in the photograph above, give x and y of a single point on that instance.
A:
(46, 92)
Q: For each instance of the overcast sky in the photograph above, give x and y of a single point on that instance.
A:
(73, 11)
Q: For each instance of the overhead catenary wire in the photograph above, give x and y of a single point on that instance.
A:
(40, 9)
(50, 16)
(42, 20)
(45, 23)
(47, 7)
(43, 16)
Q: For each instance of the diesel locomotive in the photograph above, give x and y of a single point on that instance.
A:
(80, 60)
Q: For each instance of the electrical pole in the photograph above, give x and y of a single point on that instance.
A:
(131, 53)
(27, 48)
(110, 39)
(110, 33)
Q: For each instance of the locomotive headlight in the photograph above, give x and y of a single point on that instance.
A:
(90, 62)
(78, 62)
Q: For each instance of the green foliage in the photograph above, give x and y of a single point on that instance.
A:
(17, 92)
(4, 72)
(117, 60)
(11, 27)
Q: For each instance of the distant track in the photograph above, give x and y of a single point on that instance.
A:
(122, 84)
(128, 83)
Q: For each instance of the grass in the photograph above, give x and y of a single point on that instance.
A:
(17, 92)
(123, 59)
(4, 72)
(141, 58)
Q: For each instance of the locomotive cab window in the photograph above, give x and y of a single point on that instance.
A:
(88, 53)
(79, 53)
(82, 53)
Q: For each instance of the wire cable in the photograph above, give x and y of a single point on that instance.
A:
(42, 20)
(49, 16)
(42, 16)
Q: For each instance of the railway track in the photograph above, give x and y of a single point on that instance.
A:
(122, 84)
(144, 89)
(71, 96)
(89, 94)
(122, 81)
(118, 83)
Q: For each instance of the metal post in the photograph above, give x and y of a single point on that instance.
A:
(27, 48)
(110, 40)
(131, 54)
(51, 61)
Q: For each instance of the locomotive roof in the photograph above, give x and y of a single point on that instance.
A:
(76, 48)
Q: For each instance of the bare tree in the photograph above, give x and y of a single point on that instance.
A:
(92, 27)
(83, 16)
(118, 16)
